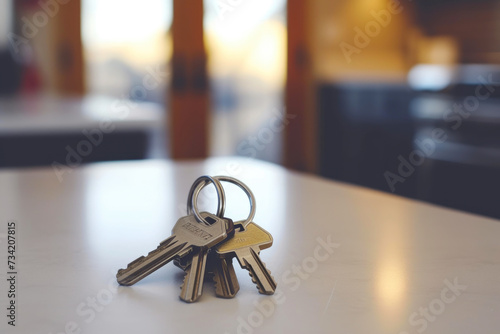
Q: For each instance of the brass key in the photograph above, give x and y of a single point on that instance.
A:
(246, 246)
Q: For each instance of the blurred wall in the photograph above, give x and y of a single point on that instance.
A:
(361, 39)
(473, 25)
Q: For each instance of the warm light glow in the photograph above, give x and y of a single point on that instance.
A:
(136, 34)
(122, 40)
(248, 41)
(391, 284)
(240, 20)
(391, 270)
(362, 8)
(390, 259)
(247, 63)
(120, 22)
(267, 57)
(259, 54)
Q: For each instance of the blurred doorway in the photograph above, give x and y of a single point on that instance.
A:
(246, 44)
(125, 41)
(127, 48)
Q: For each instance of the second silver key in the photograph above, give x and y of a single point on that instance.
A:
(192, 287)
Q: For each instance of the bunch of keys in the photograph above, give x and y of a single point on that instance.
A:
(205, 243)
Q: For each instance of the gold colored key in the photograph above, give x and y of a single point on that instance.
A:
(246, 246)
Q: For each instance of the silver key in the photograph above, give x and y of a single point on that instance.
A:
(246, 246)
(185, 261)
(224, 277)
(192, 287)
(195, 267)
(186, 234)
(220, 270)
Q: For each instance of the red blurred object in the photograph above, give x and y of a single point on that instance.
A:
(30, 82)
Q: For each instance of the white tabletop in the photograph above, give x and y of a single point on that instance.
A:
(388, 267)
(48, 114)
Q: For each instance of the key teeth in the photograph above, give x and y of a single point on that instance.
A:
(187, 300)
(130, 275)
(257, 286)
(254, 280)
(214, 280)
(183, 281)
(138, 260)
(217, 285)
(165, 243)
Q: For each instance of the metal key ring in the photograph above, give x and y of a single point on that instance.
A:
(193, 196)
(232, 180)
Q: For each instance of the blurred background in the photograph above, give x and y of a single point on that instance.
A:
(399, 96)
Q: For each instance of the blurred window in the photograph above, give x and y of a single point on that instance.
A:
(127, 46)
(6, 13)
(246, 42)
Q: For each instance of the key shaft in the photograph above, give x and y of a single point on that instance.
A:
(250, 260)
(192, 287)
(246, 246)
(224, 277)
(145, 265)
(186, 234)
